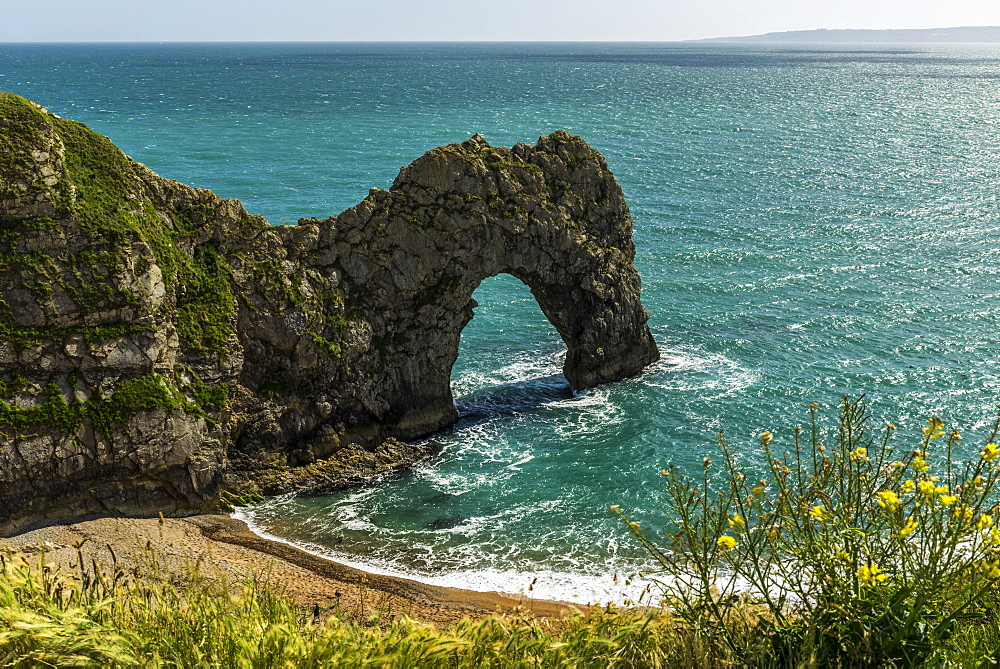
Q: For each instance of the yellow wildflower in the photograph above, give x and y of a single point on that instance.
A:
(907, 528)
(726, 542)
(935, 428)
(766, 438)
(984, 522)
(920, 464)
(898, 465)
(870, 574)
(948, 500)
(990, 453)
(888, 500)
(759, 490)
(614, 508)
(908, 485)
(992, 569)
(737, 522)
(819, 513)
(928, 489)
(859, 454)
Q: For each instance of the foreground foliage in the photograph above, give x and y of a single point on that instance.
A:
(855, 553)
(48, 618)
(837, 552)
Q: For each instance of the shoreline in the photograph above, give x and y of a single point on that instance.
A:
(220, 545)
(619, 587)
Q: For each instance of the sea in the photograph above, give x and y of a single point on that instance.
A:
(811, 222)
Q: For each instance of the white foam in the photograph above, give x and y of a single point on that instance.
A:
(527, 366)
(494, 565)
(457, 483)
(525, 459)
(576, 588)
(688, 370)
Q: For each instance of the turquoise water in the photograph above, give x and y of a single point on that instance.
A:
(810, 222)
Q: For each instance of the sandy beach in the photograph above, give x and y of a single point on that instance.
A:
(222, 546)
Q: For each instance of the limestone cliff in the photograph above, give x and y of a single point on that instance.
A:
(158, 343)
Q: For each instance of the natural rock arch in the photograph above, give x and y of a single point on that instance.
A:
(159, 345)
(552, 216)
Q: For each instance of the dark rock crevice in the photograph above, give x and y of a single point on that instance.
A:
(159, 344)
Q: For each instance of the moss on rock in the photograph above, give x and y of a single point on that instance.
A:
(107, 195)
(130, 397)
(22, 130)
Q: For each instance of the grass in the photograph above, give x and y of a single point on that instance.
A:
(51, 618)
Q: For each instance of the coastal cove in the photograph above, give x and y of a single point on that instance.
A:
(777, 269)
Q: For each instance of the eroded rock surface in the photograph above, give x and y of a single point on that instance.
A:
(159, 344)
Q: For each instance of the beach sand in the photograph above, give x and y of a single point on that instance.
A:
(220, 545)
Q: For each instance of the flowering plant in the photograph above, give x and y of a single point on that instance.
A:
(855, 552)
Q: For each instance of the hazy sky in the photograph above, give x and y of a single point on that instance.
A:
(335, 20)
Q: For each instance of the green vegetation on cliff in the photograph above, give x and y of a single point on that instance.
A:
(23, 337)
(132, 396)
(106, 194)
(106, 184)
(327, 317)
(22, 126)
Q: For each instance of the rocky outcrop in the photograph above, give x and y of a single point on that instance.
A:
(159, 344)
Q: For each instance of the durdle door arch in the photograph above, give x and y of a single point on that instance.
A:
(552, 216)
(160, 346)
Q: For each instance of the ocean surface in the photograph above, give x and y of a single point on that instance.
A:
(810, 221)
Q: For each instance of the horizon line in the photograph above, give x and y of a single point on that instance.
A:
(693, 40)
(733, 38)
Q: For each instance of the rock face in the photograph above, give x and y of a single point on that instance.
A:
(159, 344)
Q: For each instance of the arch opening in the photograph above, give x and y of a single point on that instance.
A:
(510, 357)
